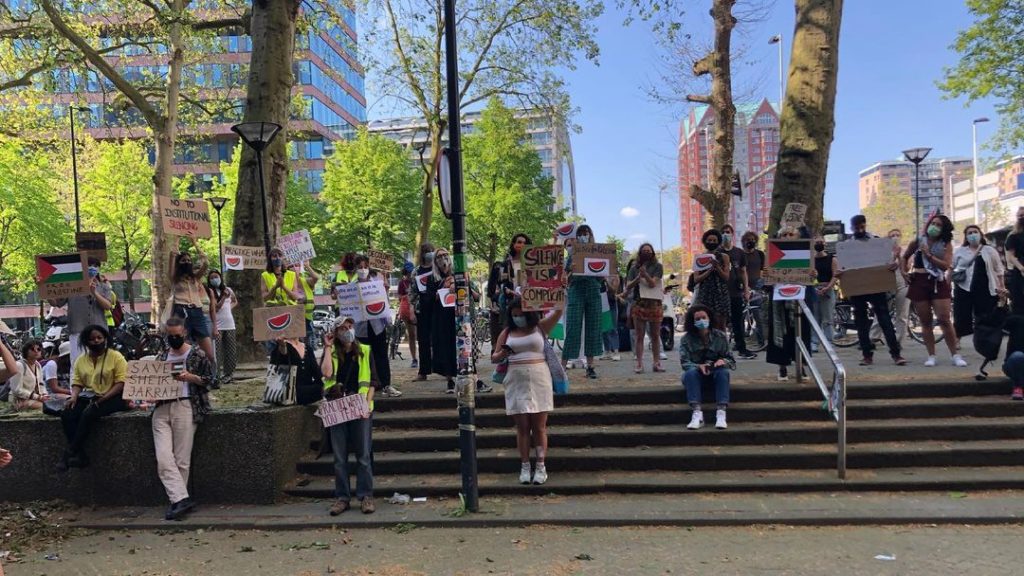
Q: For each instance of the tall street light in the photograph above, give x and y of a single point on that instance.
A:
(74, 161)
(777, 39)
(218, 203)
(916, 156)
(258, 135)
(974, 175)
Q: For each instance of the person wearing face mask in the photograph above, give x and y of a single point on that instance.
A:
(307, 278)
(96, 383)
(348, 368)
(224, 301)
(739, 290)
(191, 299)
(825, 267)
(423, 302)
(978, 277)
(280, 285)
(712, 285)
(755, 285)
(646, 312)
(511, 266)
(928, 258)
(583, 311)
(27, 384)
(174, 422)
(1014, 248)
(89, 309)
(529, 397)
(347, 271)
(706, 360)
(374, 333)
(442, 335)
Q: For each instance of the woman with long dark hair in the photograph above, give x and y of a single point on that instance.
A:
(224, 302)
(929, 257)
(712, 285)
(583, 311)
(190, 298)
(706, 359)
(978, 280)
(647, 313)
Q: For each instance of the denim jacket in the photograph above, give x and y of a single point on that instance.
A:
(693, 352)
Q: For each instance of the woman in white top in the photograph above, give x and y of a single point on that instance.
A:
(528, 388)
(977, 278)
(28, 389)
(224, 302)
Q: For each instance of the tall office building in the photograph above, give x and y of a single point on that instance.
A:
(1000, 195)
(754, 158)
(328, 79)
(549, 137)
(937, 177)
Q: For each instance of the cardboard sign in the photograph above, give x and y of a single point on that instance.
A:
(421, 282)
(447, 297)
(244, 257)
(541, 277)
(794, 214)
(151, 381)
(93, 244)
(867, 281)
(702, 262)
(656, 293)
(297, 247)
(788, 262)
(185, 217)
(62, 275)
(278, 322)
(344, 409)
(565, 231)
(594, 259)
(789, 292)
(540, 299)
(859, 254)
(364, 301)
(380, 260)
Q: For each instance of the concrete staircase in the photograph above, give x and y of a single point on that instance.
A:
(940, 436)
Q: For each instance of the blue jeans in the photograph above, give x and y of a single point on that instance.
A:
(360, 433)
(693, 380)
(1013, 367)
(611, 337)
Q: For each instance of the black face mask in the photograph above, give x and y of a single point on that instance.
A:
(819, 246)
(711, 246)
(185, 268)
(175, 341)
(1020, 221)
(860, 235)
(749, 244)
(97, 348)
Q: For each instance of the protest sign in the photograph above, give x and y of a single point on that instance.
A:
(542, 278)
(447, 297)
(185, 217)
(278, 322)
(152, 381)
(297, 247)
(344, 409)
(363, 301)
(564, 232)
(794, 214)
(594, 259)
(655, 293)
(789, 292)
(421, 281)
(244, 257)
(788, 262)
(380, 260)
(702, 262)
(94, 244)
(865, 266)
(348, 301)
(62, 275)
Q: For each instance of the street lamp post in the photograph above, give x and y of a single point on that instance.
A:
(974, 169)
(916, 156)
(777, 39)
(74, 161)
(218, 203)
(258, 135)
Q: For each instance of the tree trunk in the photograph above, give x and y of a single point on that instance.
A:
(129, 274)
(808, 114)
(718, 65)
(267, 99)
(427, 202)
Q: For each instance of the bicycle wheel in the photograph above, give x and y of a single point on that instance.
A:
(844, 329)
(916, 332)
(397, 329)
(752, 334)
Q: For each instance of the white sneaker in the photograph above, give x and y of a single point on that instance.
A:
(541, 475)
(930, 361)
(606, 357)
(959, 361)
(616, 357)
(696, 421)
(524, 473)
(720, 420)
(391, 391)
(663, 356)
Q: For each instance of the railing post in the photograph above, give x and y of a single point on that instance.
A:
(797, 348)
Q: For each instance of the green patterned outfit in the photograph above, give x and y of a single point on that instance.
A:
(583, 303)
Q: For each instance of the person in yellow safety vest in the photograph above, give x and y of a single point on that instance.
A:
(347, 274)
(109, 313)
(307, 282)
(350, 371)
(279, 287)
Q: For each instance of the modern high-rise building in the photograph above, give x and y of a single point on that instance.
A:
(328, 79)
(549, 137)
(1000, 195)
(754, 158)
(937, 177)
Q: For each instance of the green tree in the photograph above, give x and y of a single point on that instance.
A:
(116, 188)
(31, 221)
(506, 190)
(370, 193)
(992, 65)
(891, 208)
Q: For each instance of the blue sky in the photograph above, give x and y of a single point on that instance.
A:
(891, 55)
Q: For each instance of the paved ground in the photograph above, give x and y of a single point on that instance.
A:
(954, 550)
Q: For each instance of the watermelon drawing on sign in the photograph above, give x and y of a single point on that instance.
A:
(449, 300)
(790, 290)
(233, 262)
(566, 230)
(597, 266)
(279, 322)
(377, 308)
(703, 262)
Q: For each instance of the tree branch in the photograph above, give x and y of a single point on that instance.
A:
(698, 99)
(404, 58)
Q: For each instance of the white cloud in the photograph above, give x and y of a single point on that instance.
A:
(638, 236)
(629, 212)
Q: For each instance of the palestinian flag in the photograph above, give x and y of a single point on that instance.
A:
(789, 254)
(60, 268)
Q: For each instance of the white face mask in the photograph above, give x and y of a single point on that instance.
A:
(348, 336)
(363, 273)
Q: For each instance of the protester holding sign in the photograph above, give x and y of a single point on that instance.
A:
(373, 332)
(646, 312)
(224, 301)
(583, 310)
(929, 257)
(96, 383)
(88, 309)
(442, 332)
(190, 298)
(174, 421)
(510, 268)
(348, 368)
(280, 286)
(423, 302)
(782, 317)
(712, 284)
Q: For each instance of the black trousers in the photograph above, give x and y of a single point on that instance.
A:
(424, 323)
(378, 344)
(880, 306)
(967, 306)
(495, 325)
(78, 421)
(1016, 288)
(736, 317)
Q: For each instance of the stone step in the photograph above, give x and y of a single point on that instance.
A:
(702, 458)
(747, 481)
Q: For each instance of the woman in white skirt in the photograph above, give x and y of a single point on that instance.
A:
(528, 392)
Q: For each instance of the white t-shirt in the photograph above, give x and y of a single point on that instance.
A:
(174, 358)
(225, 317)
(49, 373)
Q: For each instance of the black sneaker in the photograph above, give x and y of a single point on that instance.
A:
(483, 388)
(451, 387)
(590, 373)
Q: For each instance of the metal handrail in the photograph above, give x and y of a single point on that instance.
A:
(834, 397)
